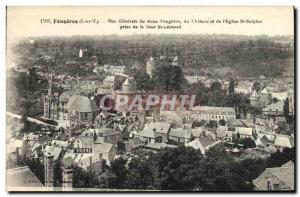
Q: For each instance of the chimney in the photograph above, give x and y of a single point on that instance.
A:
(49, 161)
(67, 178)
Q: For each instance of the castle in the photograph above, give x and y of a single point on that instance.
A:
(151, 64)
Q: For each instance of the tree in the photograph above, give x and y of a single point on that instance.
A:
(84, 178)
(222, 122)
(247, 142)
(216, 87)
(168, 78)
(57, 173)
(179, 168)
(198, 123)
(27, 88)
(286, 110)
(256, 86)
(143, 80)
(140, 175)
(117, 173)
(121, 147)
(231, 87)
(212, 124)
(25, 123)
(274, 100)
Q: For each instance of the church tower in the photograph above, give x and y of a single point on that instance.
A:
(150, 67)
(48, 99)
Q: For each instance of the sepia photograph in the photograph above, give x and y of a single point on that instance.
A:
(150, 99)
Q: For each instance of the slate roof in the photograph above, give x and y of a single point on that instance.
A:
(196, 132)
(274, 106)
(280, 95)
(265, 91)
(284, 141)
(13, 145)
(213, 109)
(159, 146)
(104, 147)
(107, 131)
(158, 127)
(110, 79)
(179, 132)
(133, 143)
(129, 81)
(234, 123)
(288, 164)
(206, 140)
(222, 131)
(52, 150)
(60, 143)
(81, 104)
(22, 177)
(31, 137)
(203, 143)
(147, 133)
(243, 131)
(284, 175)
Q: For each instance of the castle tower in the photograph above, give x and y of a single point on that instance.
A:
(49, 161)
(254, 99)
(150, 67)
(129, 85)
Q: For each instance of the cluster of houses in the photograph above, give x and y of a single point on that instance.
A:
(86, 136)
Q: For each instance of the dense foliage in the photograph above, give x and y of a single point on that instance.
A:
(246, 55)
(184, 168)
(25, 92)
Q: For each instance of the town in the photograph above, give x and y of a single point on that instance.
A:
(66, 130)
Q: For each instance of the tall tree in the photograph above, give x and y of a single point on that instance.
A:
(256, 86)
(286, 109)
(231, 87)
(169, 78)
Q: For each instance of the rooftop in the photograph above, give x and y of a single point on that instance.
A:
(81, 104)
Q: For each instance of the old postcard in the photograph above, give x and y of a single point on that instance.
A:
(148, 99)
